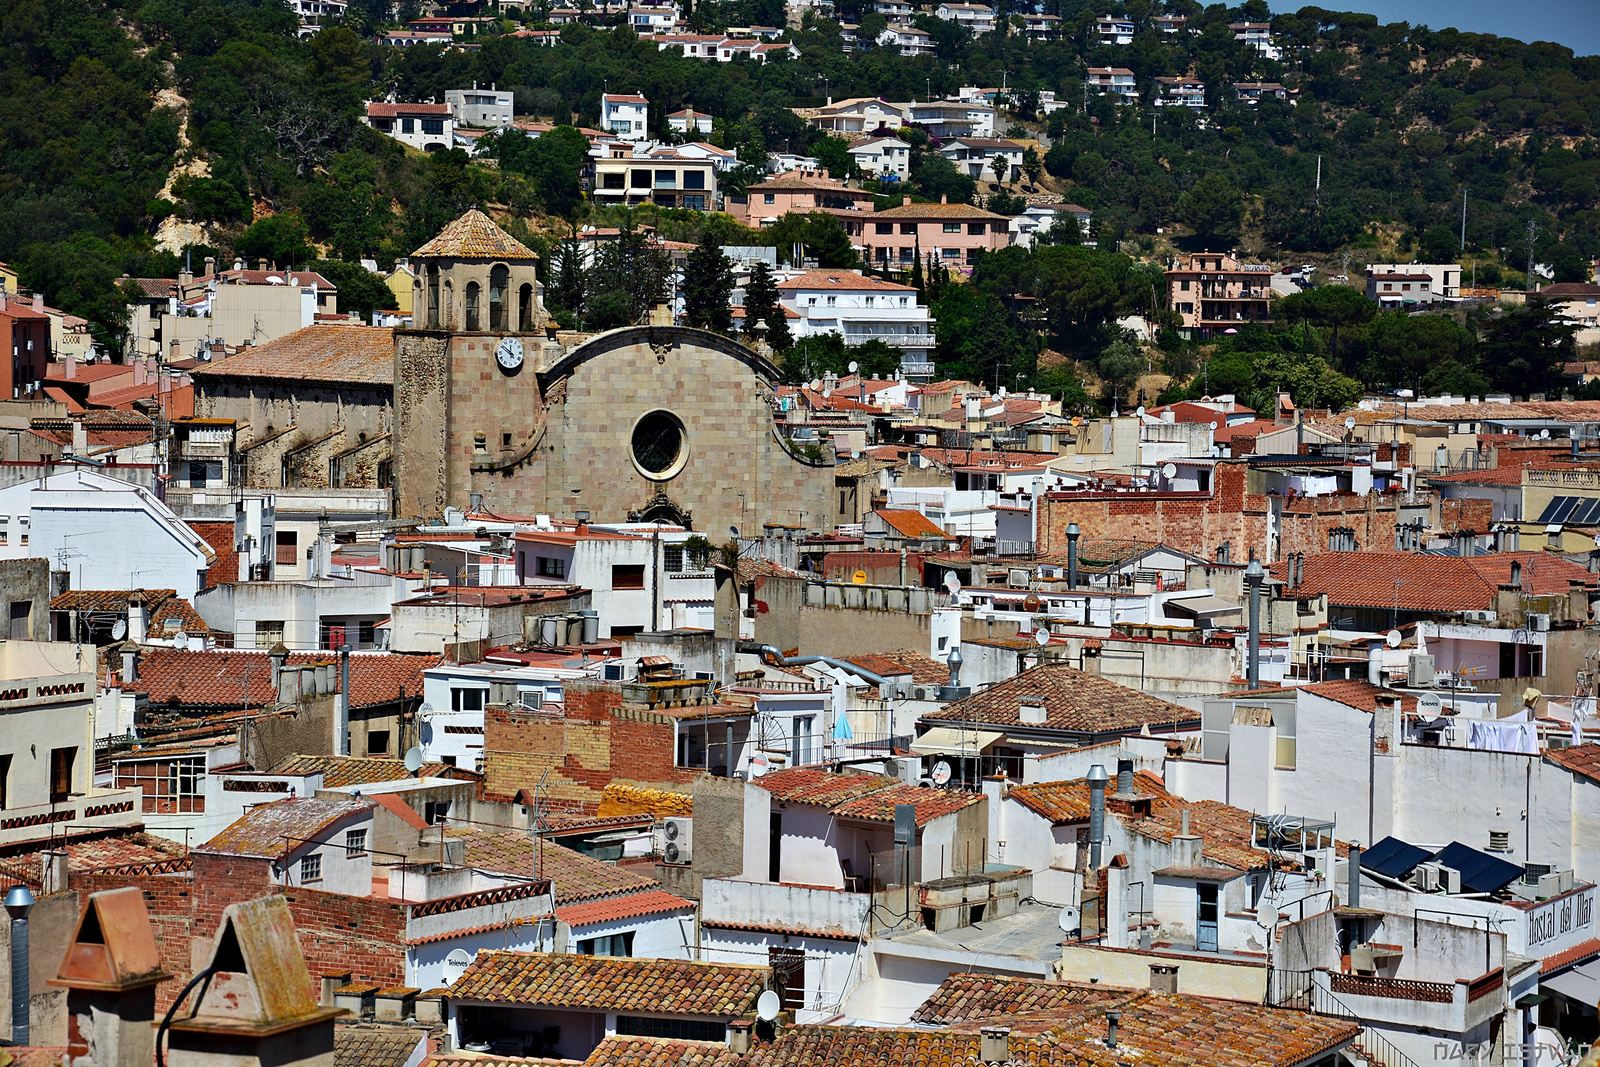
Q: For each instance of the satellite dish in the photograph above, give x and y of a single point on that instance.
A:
(1068, 920)
(768, 1006)
(1213, 424)
(455, 963)
(180, 639)
(941, 773)
(953, 584)
(816, 383)
(1392, 638)
(425, 712)
(1349, 422)
(119, 629)
(826, 393)
(425, 732)
(413, 759)
(1267, 915)
(1041, 636)
(1077, 420)
(1031, 602)
(854, 366)
(1429, 707)
(1544, 435)
(1139, 411)
(758, 767)
(1170, 470)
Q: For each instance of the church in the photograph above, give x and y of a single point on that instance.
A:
(649, 423)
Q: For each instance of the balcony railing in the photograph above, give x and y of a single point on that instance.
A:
(898, 340)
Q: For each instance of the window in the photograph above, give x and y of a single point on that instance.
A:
(952, 227)
(472, 306)
(657, 444)
(883, 227)
(61, 761)
(666, 179)
(904, 301)
(627, 576)
(950, 253)
(550, 566)
(5, 780)
(694, 203)
(639, 179)
(694, 179)
(433, 126)
(355, 843)
(368, 631)
(832, 300)
(672, 559)
(197, 475)
(499, 282)
(311, 868)
(769, 198)
(977, 229)
(269, 632)
(811, 301)
(613, 180)
(435, 812)
(908, 227)
(871, 300)
(377, 742)
(21, 615)
(408, 125)
(609, 945)
(672, 1029)
(525, 308)
(467, 699)
(288, 545)
(433, 297)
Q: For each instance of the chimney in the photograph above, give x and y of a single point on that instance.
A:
(1353, 890)
(1072, 555)
(1187, 848)
(739, 1036)
(1030, 710)
(80, 438)
(19, 902)
(943, 198)
(994, 1044)
(1164, 978)
(1097, 813)
(1112, 1018)
(905, 201)
(279, 655)
(130, 662)
(54, 874)
(1124, 777)
(110, 973)
(332, 980)
(71, 366)
(138, 618)
(1516, 573)
(138, 372)
(211, 265)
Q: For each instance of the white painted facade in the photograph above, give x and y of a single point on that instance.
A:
(860, 309)
(608, 564)
(626, 116)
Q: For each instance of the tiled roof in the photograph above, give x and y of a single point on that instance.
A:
(1568, 291)
(1073, 700)
(809, 785)
(910, 523)
(277, 829)
(1500, 476)
(217, 678)
(1100, 554)
(1068, 802)
(793, 182)
(122, 853)
(842, 279)
(924, 669)
(1361, 694)
(397, 807)
(943, 211)
(613, 984)
(962, 997)
(156, 286)
(337, 354)
(930, 803)
(1411, 581)
(1223, 829)
(244, 276)
(474, 236)
(474, 1059)
(577, 877)
(339, 772)
(658, 1052)
(1581, 951)
(219, 535)
(378, 109)
(375, 1046)
(1581, 760)
(632, 905)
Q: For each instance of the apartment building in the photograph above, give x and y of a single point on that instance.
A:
(910, 40)
(1181, 92)
(1445, 277)
(626, 115)
(25, 325)
(861, 309)
(955, 233)
(663, 176)
(799, 191)
(1114, 29)
(882, 156)
(1118, 80)
(1257, 35)
(489, 107)
(1212, 292)
(977, 19)
(974, 156)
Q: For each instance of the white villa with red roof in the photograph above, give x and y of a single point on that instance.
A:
(862, 309)
(427, 127)
(627, 116)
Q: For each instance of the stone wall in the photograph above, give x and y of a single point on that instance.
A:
(26, 581)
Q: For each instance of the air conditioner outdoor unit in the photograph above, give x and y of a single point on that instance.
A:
(1539, 621)
(1550, 884)
(1478, 616)
(1426, 877)
(1419, 670)
(677, 837)
(1449, 879)
(921, 692)
(533, 699)
(616, 672)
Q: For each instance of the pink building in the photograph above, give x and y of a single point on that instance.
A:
(800, 192)
(955, 233)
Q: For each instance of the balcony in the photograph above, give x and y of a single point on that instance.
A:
(1455, 1007)
(897, 340)
(99, 809)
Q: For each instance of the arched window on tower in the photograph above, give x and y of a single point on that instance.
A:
(447, 305)
(433, 297)
(472, 307)
(499, 281)
(525, 308)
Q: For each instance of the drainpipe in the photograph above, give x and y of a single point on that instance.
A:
(341, 740)
(1252, 576)
(19, 901)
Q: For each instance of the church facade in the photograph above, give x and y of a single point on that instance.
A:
(646, 423)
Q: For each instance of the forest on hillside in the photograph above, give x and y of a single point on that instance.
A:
(120, 116)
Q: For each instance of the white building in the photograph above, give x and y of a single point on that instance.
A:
(319, 844)
(882, 156)
(1039, 219)
(489, 107)
(861, 309)
(910, 40)
(858, 115)
(978, 19)
(954, 118)
(640, 577)
(1181, 92)
(455, 694)
(1114, 29)
(690, 121)
(427, 127)
(108, 534)
(625, 115)
(1446, 277)
(1118, 80)
(975, 157)
(1257, 35)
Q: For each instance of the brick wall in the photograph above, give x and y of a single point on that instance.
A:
(1472, 514)
(597, 740)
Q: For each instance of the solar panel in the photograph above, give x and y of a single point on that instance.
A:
(1585, 515)
(1393, 857)
(1568, 505)
(1480, 872)
(1558, 505)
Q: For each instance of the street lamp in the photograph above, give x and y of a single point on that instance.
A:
(19, 902)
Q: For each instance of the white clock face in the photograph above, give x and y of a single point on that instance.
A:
(509, 353)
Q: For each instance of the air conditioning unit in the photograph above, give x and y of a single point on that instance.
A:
(1533, 872)
(616, 672)
(1426, 877)
(1550, 884)
(1449, 879)
(1419, 670)
(1539, 621)
(532, 699)
(1051, 572)
(906, 768)
(1479, 616)
(677, 837)
(923, 692)
(1017, 578)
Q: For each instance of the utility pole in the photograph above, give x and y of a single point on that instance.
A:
(1463, 218)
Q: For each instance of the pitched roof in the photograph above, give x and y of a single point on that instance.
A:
(794, 182)
(577, 877)
(378, 109)
(114, 854)
(944, 211)
(1411, 581)
(327, 352)
(613, 983)
(397, 807)
(277, 829)
(219, 535)
(812, 785)
(910, 523)
(924, 669)
(842, 279)
(1068, 802)
(231, 678)
(962, 997)
(338, 772)
(475, 236)
(930, 804)
(1074, 701)
(1568, 291)
(375, 1046)
(1583, 760)
(628, 906)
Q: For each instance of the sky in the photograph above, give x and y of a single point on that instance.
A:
(1574, 23)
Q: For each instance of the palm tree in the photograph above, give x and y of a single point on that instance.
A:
(1001, 167)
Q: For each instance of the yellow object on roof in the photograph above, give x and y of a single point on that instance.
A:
(619, 799)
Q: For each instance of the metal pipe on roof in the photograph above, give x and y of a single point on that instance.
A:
(1353, 892)
(1097, 813)
(1253, 575)
(800, 661)
(341, 728)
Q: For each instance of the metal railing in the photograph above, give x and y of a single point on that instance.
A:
(1298, 990)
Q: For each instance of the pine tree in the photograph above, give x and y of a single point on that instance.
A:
(917, 282)
(761, 302)
(708, 287)
(566, 289)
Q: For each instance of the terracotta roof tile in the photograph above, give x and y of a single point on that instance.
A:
(1581, 951)
(1583, 760)
(1068, 802)
(375, 1046)
(397, 807)
(1074, 702)
(842, 279)
(810, 785)
(217, 678)
(577, 877)
(1429, 583)
(277, 829)
(943, 211)
(929, 803)
(659, 1052)
(118, 854)
(338, 772)
(475, 236)
(219, 535)
(613, 983)
(628, 906)
(338, 354)
(923, 669)
(910, 523)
